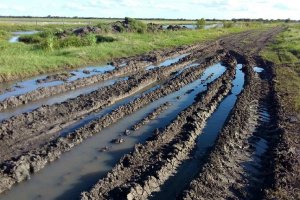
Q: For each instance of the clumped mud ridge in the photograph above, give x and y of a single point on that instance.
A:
(224, 175)
(251, 158)
(151, 116)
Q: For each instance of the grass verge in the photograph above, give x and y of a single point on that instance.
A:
(19, 60)
(285, 53)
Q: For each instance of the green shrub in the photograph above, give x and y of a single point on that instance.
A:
(31, 39)
(200, 23)
(71, 41)
(104, 27)
(48, 44)
(135, 25)
(76, 41)
(101, 38)
(89, 40)
(3, 35)
(228, 24)
(37, 37)
(46, 34)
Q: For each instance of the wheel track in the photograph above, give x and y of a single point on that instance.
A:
(136, 165)
(38, 122)
(35, 160)
(268, 36)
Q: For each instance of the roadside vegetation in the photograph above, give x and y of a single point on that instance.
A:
(285, 53)
(56, 47)
(200, 23)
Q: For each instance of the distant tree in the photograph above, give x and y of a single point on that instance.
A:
(200, 23)
(287, 20)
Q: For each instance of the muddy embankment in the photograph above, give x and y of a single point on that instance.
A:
(126, 66)
(142, 172)
(16, 170)
(282, 158)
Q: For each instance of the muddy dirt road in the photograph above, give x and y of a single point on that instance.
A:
(194, 122)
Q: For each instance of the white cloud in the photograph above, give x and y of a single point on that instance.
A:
(156, 8)
(76, 6)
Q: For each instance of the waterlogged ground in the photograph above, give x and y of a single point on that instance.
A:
(205, 141)
(198, 107)
(72, 173)
(16, 35)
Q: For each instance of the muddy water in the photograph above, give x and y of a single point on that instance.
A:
(80, 168)
(106, 110)
(259, 144)
(22, 87)
(16, 35)
(167, 62)
(55, 99)
(190, 168)
(258, 69)
(29, 85)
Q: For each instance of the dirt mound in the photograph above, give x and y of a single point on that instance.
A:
(86, 30)
(56, 77)
(176, 28)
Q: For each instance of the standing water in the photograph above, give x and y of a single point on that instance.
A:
(167, 62)
(29, 85)
(79, 169)
(22, 87)
(16, 35)
(5, 114)
(189, 168)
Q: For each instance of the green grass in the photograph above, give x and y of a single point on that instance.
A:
(66, 21)
(20, 60)
(285, 52)
(11, 27)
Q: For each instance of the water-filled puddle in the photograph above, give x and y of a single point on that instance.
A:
(19, 88)
(80, 168)
(55, 99)
(23, 87)
(167, 62)
(258, 69)
(16, 35)
(187, 171)
(259, 144)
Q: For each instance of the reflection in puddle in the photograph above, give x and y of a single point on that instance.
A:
(23, 87)
(81, 168)
(187, 171)
(167, 62)
(258, 69)
(55, 99)
(16, 35)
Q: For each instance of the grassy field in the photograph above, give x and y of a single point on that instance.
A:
(19, 60)
(285, 53)
(44, 21)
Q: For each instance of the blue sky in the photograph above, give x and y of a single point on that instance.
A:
(190, 9)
